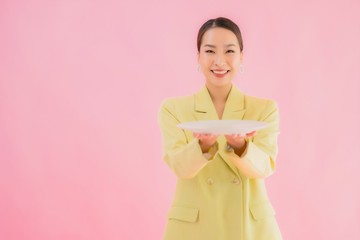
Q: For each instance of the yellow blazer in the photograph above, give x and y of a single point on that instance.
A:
(222, 197)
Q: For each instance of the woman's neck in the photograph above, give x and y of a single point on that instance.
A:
(219, 94)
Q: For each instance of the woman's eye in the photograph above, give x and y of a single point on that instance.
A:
(230, 51)
(209, 51)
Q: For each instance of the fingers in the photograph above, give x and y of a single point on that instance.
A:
(234, 139)
(234, 136)
(250, 134)
(209, 136)
(206, 138)
(205, 135)
(238, 140)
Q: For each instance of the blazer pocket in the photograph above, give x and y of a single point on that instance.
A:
(183, 214)
(262, 210)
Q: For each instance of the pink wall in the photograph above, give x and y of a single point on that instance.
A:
(81, 83)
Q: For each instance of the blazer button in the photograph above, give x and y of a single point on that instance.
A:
(236, 181)
(210, 181)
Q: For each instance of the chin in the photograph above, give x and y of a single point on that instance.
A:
(220, 83)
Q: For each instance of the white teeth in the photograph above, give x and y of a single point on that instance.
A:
(220, 72)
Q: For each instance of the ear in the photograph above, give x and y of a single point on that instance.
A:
(241, 56)
(198, 57)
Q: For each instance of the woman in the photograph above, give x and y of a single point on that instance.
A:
(220, 192)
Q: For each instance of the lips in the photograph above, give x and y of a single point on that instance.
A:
(220, 72)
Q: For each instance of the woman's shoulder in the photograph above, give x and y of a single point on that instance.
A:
(178, 99)
(252, 100)
(258, 100)
(178, 102)
(260, 104)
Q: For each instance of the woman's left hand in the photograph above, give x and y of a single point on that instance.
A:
(237, 141)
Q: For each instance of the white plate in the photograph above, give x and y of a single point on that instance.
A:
(223, 126)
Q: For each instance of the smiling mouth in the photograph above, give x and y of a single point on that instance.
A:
(220, 72)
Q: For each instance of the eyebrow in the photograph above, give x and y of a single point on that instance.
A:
(213, 46)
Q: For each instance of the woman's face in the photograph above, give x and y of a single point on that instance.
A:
(219, 56)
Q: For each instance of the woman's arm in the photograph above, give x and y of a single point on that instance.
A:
(257, 158)
(184, 156)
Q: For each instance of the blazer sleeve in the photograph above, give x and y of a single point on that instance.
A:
(184, 157)
(258, 159)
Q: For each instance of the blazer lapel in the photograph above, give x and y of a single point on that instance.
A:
(204, 107)
(235, 105)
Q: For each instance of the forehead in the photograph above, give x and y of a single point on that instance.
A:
(219, 36)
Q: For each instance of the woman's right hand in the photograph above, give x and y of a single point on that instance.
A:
(206, 141)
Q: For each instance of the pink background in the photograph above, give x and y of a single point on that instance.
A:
(81, 83)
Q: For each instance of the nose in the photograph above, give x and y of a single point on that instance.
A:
(219, 60)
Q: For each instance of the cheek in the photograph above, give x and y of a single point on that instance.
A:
(204, 61)
(236, 62)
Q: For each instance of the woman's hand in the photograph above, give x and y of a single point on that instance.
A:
(237, 142)
(206, 140)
